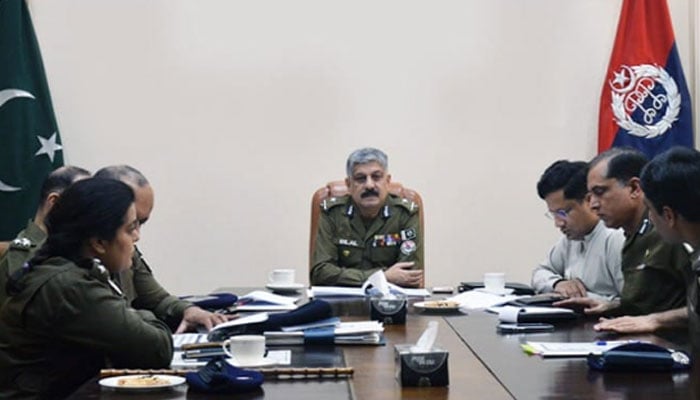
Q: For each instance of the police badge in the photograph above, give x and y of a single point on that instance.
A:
(644, 91)
(408, 247)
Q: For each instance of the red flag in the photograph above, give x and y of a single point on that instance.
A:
(645, 101)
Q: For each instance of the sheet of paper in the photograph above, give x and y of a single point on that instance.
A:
(188, 338)
(261, 295)
(476, 300)
(570, 349)
(336, 291)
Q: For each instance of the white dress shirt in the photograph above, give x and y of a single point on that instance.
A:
(595, 261)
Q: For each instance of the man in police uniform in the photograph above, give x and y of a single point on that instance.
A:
(655, 272)
(368, 229)
(22, 248)
(138, 283)
(671, 184)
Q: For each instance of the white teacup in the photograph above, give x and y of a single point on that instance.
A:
(281, 277)
(245, 349)
(495, 282)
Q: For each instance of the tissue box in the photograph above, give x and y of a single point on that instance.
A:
(421, 369)
(388, 311)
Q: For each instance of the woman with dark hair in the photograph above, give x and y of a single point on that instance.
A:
(65, 319)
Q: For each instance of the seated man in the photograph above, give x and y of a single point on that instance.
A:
(586, 261)
(654, 271)
(138, 283)
(671, 184)
(33, 236)
(368, 229)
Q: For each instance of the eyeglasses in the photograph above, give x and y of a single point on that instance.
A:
(562, 213)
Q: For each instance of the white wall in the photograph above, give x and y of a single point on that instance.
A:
(238, 110)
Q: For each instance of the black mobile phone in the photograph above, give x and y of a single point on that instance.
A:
(524, 327)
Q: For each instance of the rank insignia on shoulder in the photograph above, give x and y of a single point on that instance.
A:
(408, 234)
(22, 244)
(408, 247)
(408, 204)
(331, 202)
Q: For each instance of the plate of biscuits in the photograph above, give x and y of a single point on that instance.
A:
(142, 383)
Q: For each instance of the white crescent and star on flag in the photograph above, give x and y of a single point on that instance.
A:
(47, 146)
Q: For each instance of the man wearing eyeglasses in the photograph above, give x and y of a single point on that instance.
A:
(585, 262)
(367, 230)
(655, 272)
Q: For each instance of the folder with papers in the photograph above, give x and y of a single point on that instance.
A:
(361, 332)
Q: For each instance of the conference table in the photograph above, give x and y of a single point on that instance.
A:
(483, 364)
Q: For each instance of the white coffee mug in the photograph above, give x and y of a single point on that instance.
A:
(245, 349)
(281, 277)
(495, 282)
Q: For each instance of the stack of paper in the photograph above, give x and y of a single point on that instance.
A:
(188, 338)
(534, 314)
(479, 300)
(361, 332)
(260, 300)
(342, 291)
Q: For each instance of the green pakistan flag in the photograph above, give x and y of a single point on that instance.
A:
(30, 146)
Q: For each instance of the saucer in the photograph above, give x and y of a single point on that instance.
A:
(285, 287)
(263, 362)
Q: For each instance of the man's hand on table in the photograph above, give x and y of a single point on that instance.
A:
(195, 316)
(638, 324)
(401, 274)
(571, 288)
(588, 305)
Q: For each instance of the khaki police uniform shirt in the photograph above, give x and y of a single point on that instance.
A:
(347, 251)
(655, 273)
(65, 324)
(138, 283)
(20, 251)
(143, 292)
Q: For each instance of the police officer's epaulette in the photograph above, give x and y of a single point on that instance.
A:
(331, 202)
(410, 205)
(140, 256)
(23, 244)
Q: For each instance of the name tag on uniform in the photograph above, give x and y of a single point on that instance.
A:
(348, 242)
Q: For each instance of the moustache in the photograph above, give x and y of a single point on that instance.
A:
(369, 193)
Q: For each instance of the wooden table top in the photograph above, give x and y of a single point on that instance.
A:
(482, 365)
(532, 377)
(374, 366)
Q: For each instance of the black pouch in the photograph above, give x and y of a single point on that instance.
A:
(639, 357)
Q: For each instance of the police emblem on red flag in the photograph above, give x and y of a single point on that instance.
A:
(645, 101)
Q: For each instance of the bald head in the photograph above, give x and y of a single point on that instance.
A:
(52, 187)
(144, 196)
